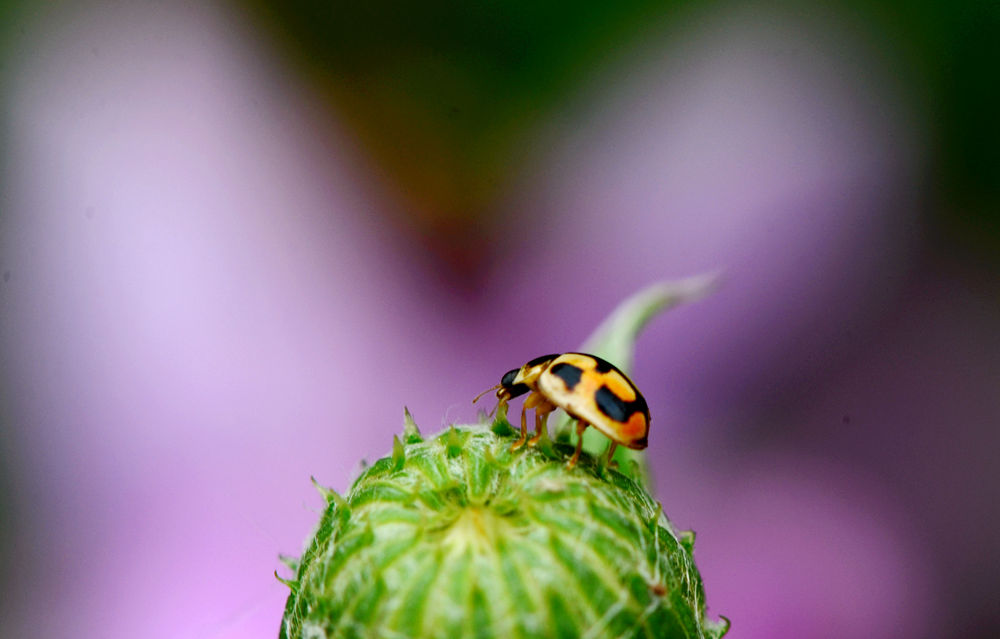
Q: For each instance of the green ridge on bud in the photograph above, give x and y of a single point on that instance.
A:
(457, 536)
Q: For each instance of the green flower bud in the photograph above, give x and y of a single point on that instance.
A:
(457, 536)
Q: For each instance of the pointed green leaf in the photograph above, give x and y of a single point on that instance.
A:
(411, 434)
(398, 453)
(329, 494)
(291, 583)
(453, 442)
(291, 562)
(687, 539)
(614, 340)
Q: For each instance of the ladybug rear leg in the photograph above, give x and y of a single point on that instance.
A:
(580, 427)
(611, 453)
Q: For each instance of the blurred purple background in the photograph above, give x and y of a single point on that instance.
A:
(212, 290)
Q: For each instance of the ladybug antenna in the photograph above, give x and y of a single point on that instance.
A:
(491, 388)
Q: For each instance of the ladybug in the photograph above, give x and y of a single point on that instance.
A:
(591, 390)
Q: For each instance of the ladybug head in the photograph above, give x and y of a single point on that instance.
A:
(510, 387)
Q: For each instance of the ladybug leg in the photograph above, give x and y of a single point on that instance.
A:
(580, 427)
(524, 426)
(541, 419)
(611, 454)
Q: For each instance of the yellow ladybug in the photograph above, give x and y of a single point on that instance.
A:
(591, 390)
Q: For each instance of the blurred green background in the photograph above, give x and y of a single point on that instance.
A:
(446, 95)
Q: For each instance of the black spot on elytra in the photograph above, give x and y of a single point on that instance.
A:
(611, 405)
(603, 365)
(569, 374)
(618, 409)
(541, 360)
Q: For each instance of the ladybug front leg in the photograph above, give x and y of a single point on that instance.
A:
(524, 425)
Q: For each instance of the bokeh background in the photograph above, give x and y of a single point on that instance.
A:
(237, 238)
